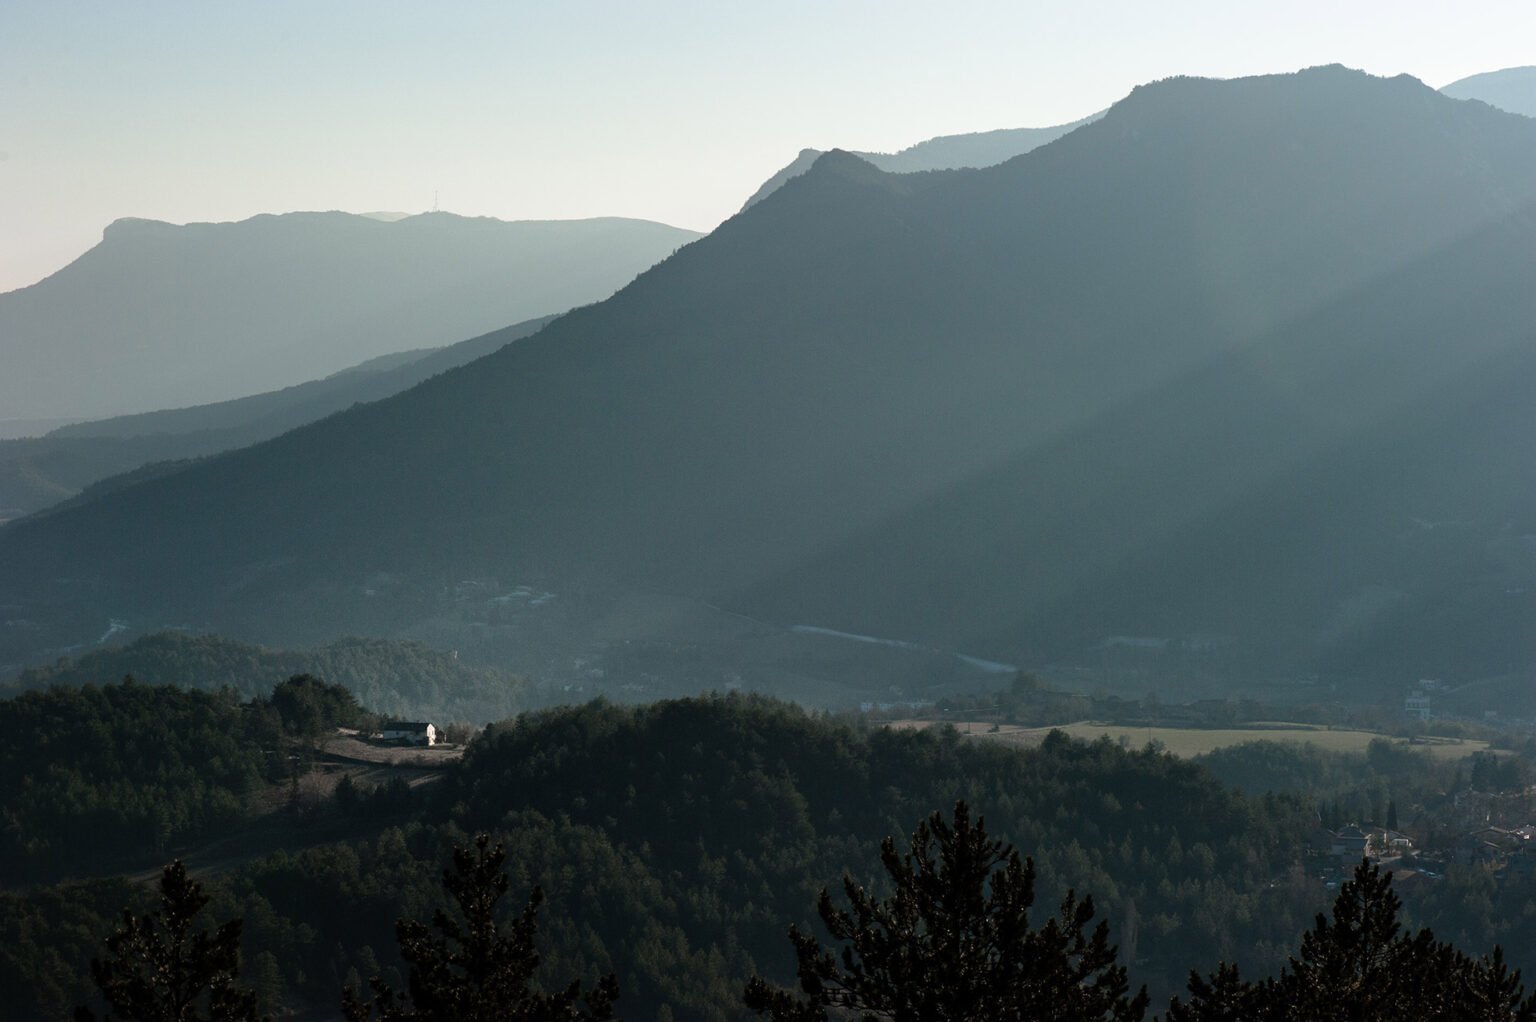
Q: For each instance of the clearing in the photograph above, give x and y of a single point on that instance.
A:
(1186, 742)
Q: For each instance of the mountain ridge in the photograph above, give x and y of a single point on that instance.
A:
(1512, 89)
(942, 152)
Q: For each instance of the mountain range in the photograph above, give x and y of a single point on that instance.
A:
(160, 316)
(1237, 374)
(40, 471)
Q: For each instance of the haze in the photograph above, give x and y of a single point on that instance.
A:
(573, 425)
(667, 111)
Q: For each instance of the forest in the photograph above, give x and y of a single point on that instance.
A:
(674, 842)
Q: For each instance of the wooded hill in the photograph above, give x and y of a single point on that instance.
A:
(103, 777)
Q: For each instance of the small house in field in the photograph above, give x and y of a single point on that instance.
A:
(412, 732)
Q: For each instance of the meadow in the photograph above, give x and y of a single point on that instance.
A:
(1187, 742)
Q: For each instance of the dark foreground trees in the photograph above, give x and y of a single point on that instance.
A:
(953, 942)
(472, 970)
(160, 968)
(1360, 965)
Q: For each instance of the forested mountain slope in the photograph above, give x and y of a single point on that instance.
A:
(1243, 362)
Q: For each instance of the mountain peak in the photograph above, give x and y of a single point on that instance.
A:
(848, 165)
(134, 227)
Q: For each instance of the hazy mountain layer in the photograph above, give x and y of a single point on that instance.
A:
(159, 316)
(40, 472)
(1239, 371)
(946, 152)
(1512, 89)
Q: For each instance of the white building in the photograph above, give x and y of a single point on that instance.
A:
(409, 731)
(1417, 705)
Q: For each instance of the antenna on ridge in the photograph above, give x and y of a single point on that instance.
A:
(434, 200)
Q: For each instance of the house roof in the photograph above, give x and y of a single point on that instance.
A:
(405, 725)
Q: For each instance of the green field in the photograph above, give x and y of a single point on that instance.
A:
(1187, 742)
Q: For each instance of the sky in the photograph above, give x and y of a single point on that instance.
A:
(669, 110)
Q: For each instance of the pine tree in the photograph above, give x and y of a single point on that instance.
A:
(161, 969)
(953, 942)
(1225, 997)
(1358, 966)
(472, 970)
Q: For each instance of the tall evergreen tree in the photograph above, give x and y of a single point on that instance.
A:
(1358, 966)
(161, 969)
(1225, 997)
(953, 942)
(472, 970)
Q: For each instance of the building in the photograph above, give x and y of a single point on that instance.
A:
(409, 731)
(1392, 843)
(1417, 705)
(1351, 843)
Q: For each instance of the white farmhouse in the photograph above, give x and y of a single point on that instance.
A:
(411, 732)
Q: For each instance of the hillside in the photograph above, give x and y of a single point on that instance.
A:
(160, 316)
(1239, 369)
(39, 472)
(1512, 89)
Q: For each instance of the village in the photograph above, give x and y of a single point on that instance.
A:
(1509, 853)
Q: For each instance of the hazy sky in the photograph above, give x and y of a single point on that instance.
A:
(670, 110)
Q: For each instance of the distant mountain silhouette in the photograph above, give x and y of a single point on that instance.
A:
(159, 316)
(1512, 89)
(40, 472)
(946, 152)
(1240, 371)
